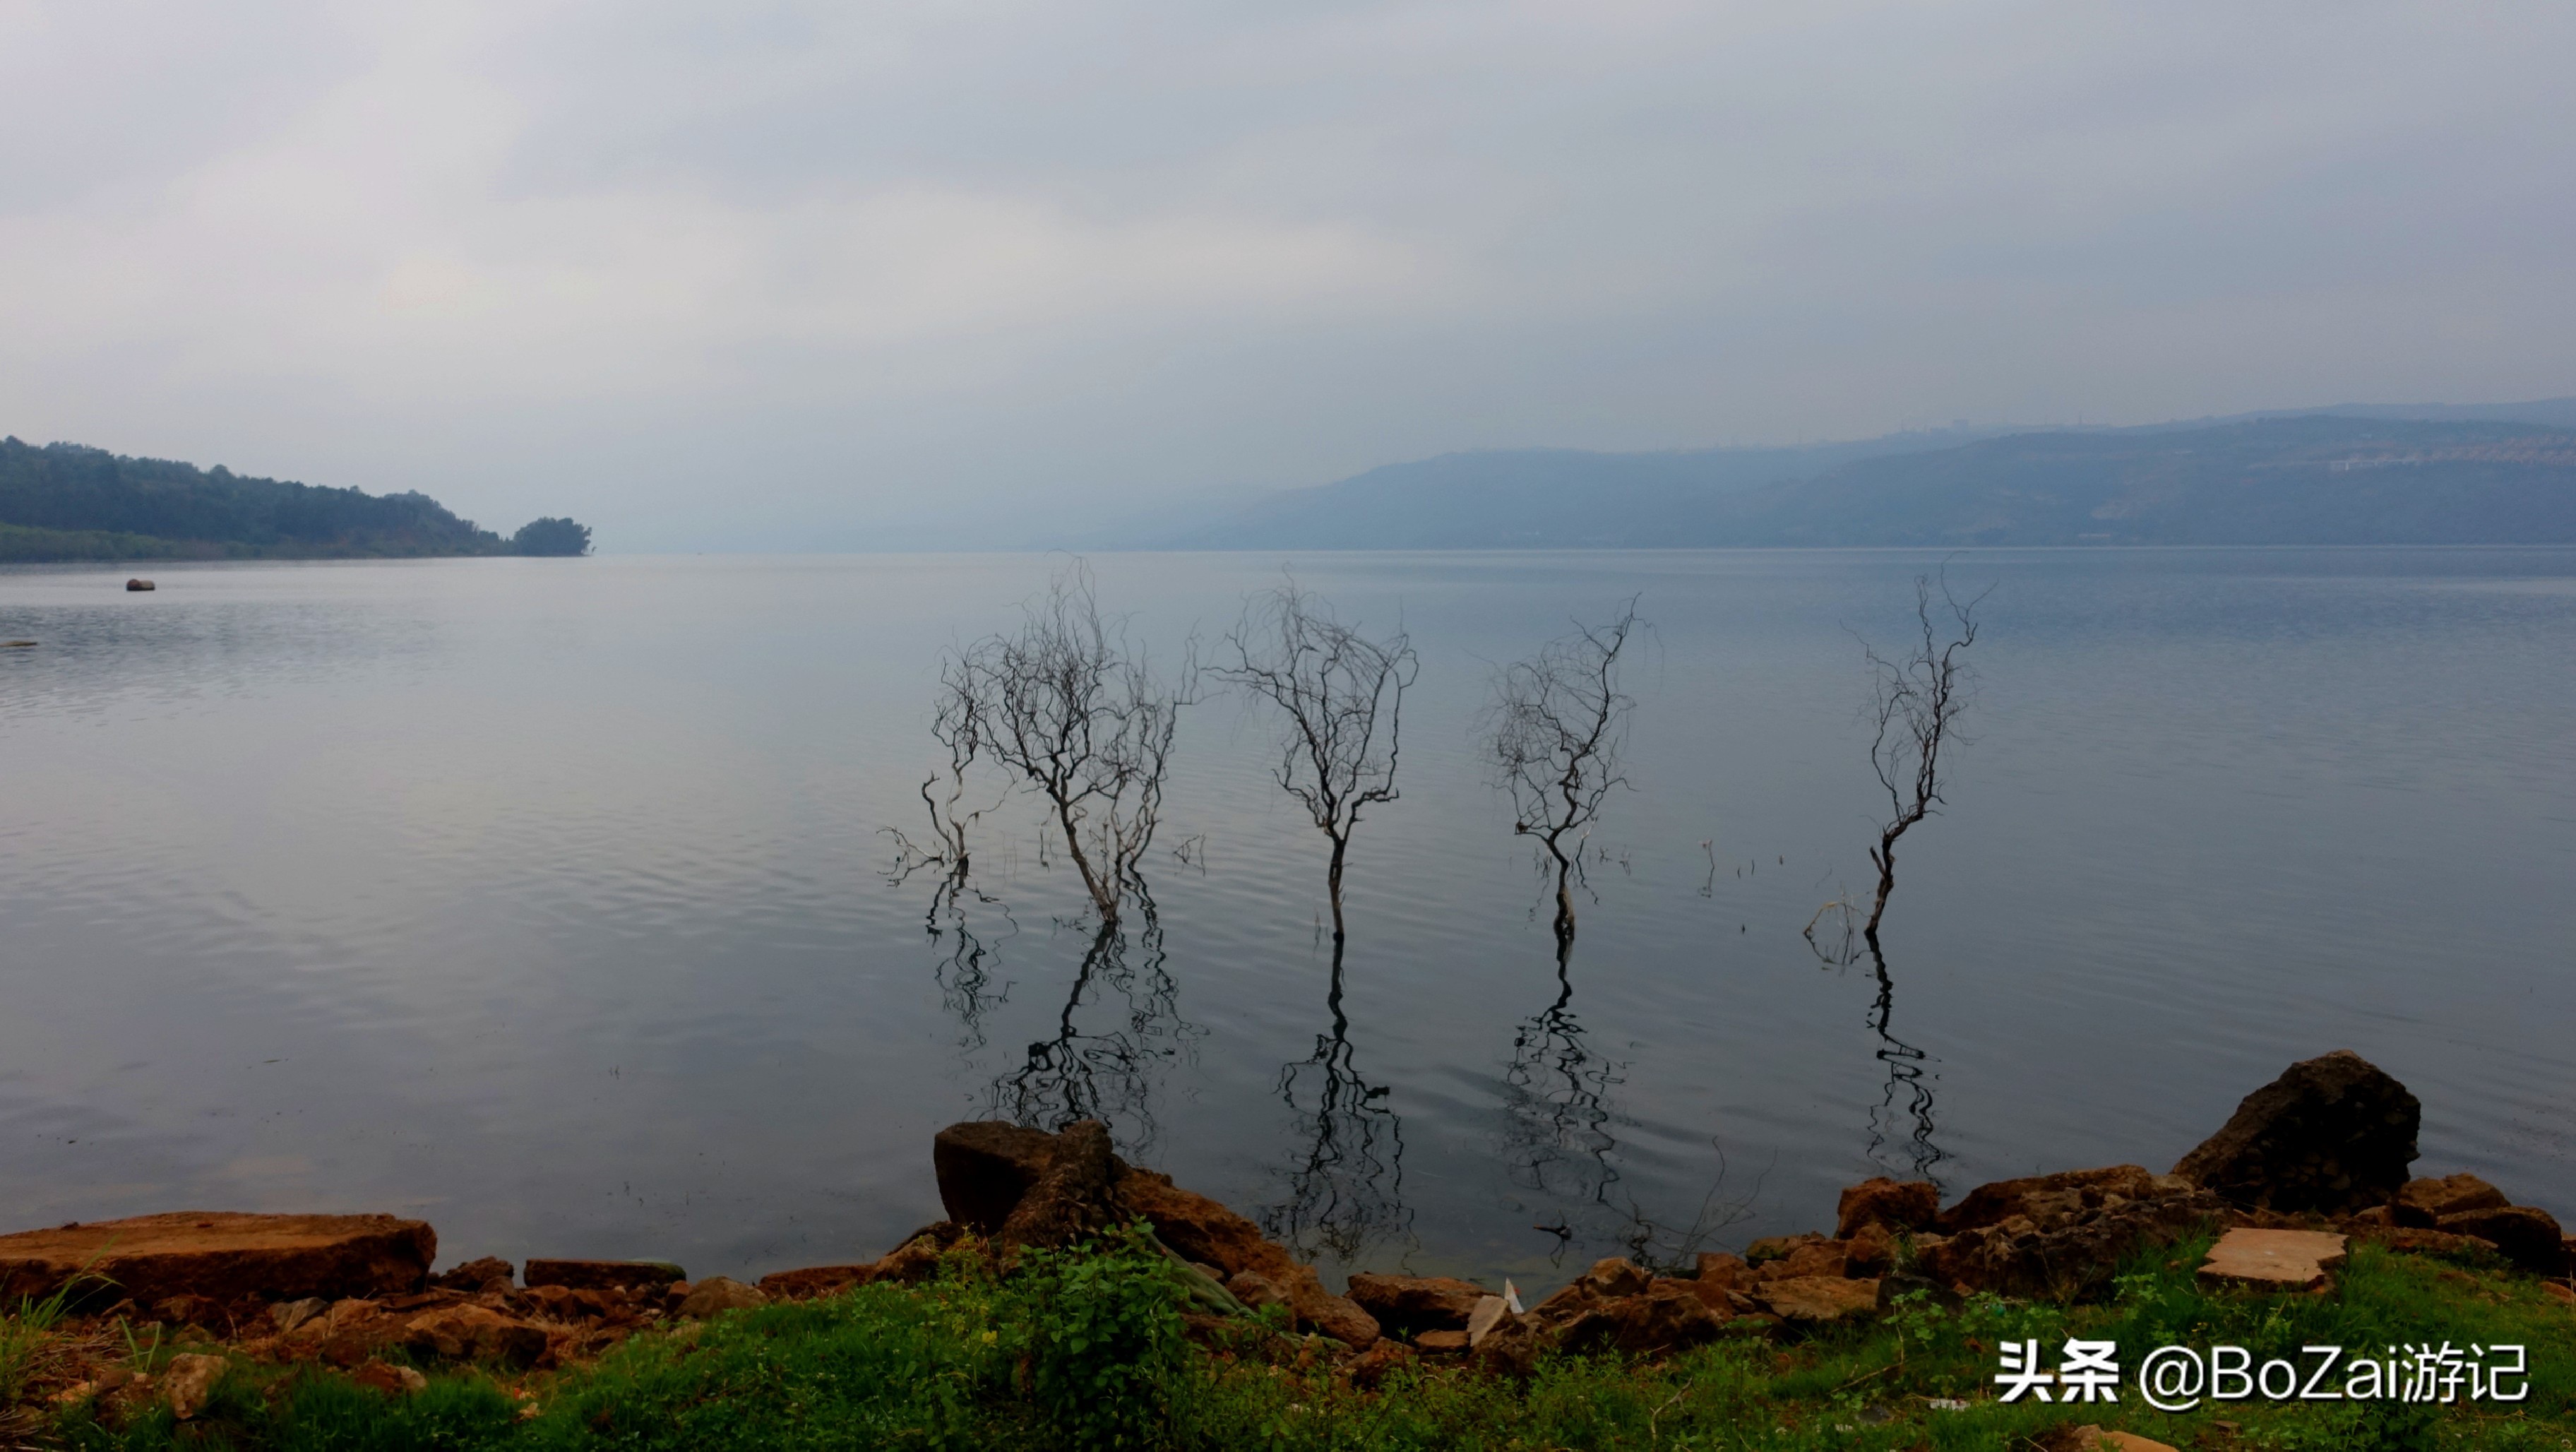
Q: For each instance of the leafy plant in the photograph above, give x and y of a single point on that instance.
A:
(1101, 1349)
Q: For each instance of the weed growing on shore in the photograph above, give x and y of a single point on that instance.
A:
(1085, 1350)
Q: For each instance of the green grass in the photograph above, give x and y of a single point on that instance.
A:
(1086, 1351)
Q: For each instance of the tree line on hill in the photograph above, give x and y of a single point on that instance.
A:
(71, 502)
(2311, 479)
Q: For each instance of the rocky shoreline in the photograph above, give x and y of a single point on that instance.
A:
(2309, 1164)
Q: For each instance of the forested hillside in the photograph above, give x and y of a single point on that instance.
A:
(68, 502)
(2344, 478)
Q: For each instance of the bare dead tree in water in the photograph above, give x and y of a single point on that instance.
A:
(943, 793)
(1343, 696)
(1068, 710)
(1915, 705)
(1559, 728)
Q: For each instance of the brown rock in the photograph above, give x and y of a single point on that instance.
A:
(1814, 1258)
(2562, 1294)
(917, 1259)
(1898, 1205)
(474, 1275)
(1812, 1299)
(2423, 1202)
(1871, 1250)
(2050, 1196)
(1666, 1317)
(139, 585)
(718, 1294)
(1200, 1229)
(2409, 1240)
(2530, 1238)
(2280, 1260)
(1728, 1272)
(287, 1315)
(984, 1167)
(816, 1280)
(563, 1303)
(1510, 1350)
(1442, 1342)
(189, 1383)
(1256, 1290)
(392, 1380)
(2331, 1134)
(603, 1275)
(224, 1257)
(2094, 1439)
(1777, 1247)
(1370, 1369)
(1073, 1199)
(1614, 1276)
(2076, 1252)
(475, 1333)
(1415, 1303)
(1566, 1304)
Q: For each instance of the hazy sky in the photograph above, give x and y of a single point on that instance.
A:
(751, 275)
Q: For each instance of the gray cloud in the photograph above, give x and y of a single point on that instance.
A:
(794, 275)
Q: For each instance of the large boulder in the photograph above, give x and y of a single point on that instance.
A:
(224, 1257)
(1072, 1199)
(2332, 1134)
(1415, 1303)
(984, 1166)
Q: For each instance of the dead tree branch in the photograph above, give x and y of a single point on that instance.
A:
(1343, 697)
(1558, 728)
(1067, 710)
(1915, 706)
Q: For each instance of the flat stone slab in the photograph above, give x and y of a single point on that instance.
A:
(223, 1256)
(1818, 1298)
(2286, 1260)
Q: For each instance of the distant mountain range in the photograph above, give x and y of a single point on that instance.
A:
(68, 502)
(2360, 474)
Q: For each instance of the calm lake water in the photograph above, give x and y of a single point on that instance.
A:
(550, 900)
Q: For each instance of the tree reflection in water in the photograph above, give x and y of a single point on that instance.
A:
(965, 967)
(1900, 1125)
(1347, 1190)
(1900, 1132)
(1561, 1141)
(1111, 1074)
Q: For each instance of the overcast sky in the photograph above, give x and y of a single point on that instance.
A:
(750, 275)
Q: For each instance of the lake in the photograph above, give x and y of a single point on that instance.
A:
(554, 902)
